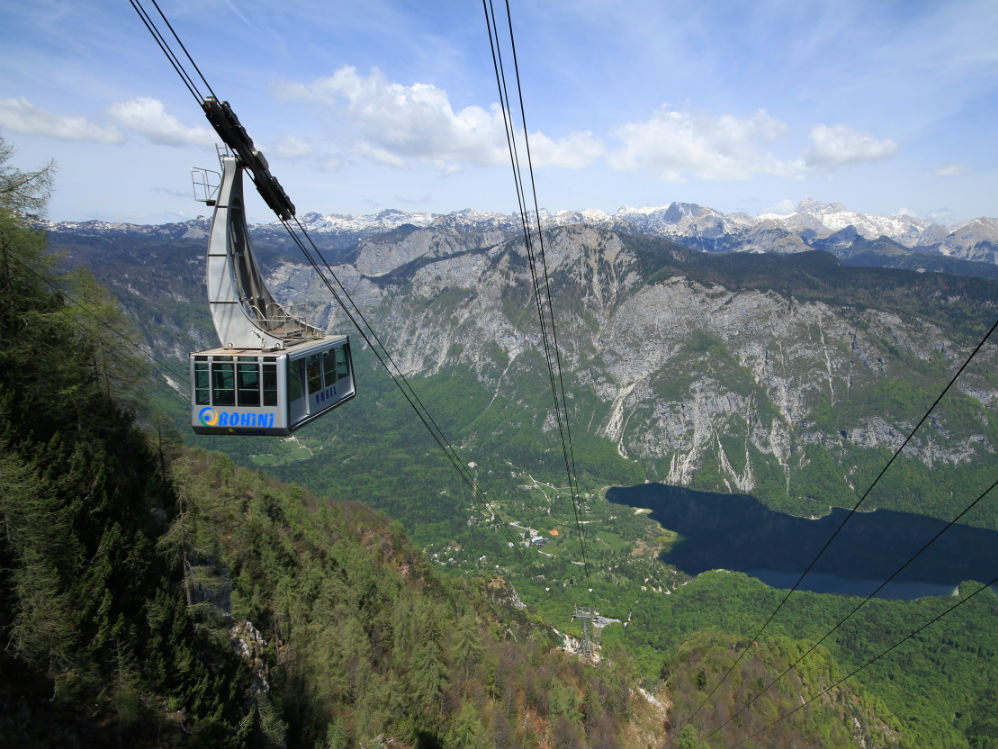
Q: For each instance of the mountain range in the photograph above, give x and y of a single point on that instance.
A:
(864, 239)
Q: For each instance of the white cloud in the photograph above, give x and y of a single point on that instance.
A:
(380, 155)
(943, 216)
(783, 207)
(837, 145)
(331, 164)
(21, 116)
(294, 148)
(396, 122)
(148, 117)
(576, 151)
(951, 170)
(673, 144)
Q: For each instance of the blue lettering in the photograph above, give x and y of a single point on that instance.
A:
(236, 419)
(320, 397)
(323, 395)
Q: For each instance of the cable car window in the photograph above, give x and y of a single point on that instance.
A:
(295, 391)
(314, 367)
(342, 368)
(269, 384)
(329, 367)
(202, 387)
(223, 384)
(248, 382)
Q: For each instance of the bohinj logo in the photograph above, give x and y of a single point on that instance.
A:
(209, 417)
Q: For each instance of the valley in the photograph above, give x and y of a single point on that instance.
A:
(789, 377)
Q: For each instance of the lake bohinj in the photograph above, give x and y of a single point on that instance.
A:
(737, 532)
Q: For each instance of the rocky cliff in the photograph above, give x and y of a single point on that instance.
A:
(732, 372)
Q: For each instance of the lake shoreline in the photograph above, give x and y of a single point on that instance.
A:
(738, 532)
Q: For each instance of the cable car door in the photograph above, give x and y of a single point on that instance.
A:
(297, 402)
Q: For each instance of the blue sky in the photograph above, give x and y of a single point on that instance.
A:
(883, 106)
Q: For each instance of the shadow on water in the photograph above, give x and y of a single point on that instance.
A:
(737, 532)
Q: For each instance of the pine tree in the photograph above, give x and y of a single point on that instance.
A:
(467, 648)
(23, 192)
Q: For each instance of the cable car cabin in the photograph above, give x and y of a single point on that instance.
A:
(252, 391)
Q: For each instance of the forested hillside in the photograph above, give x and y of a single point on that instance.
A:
(99, 647)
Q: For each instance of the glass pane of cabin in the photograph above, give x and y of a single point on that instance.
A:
(329, 367)
(313, 365)
(248, 384)
(297, 403)
(269, 384)
(202, 388)
(342, 368)
(223, 384)
(296, 389)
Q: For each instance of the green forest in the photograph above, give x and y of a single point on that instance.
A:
(156, 594)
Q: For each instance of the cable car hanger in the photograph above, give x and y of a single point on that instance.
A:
(272, 372)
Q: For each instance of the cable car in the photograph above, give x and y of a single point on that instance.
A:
(273, 372)
(249, 391)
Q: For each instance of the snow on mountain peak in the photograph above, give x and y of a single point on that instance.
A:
(678, 220)
(825, 219)
(811, 223)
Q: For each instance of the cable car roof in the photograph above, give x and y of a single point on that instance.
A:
(304, 346)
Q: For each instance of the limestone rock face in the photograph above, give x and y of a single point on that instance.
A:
(680, 367)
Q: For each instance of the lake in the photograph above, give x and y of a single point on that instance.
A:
(737, 532)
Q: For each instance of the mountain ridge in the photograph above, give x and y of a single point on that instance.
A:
(811, 225)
